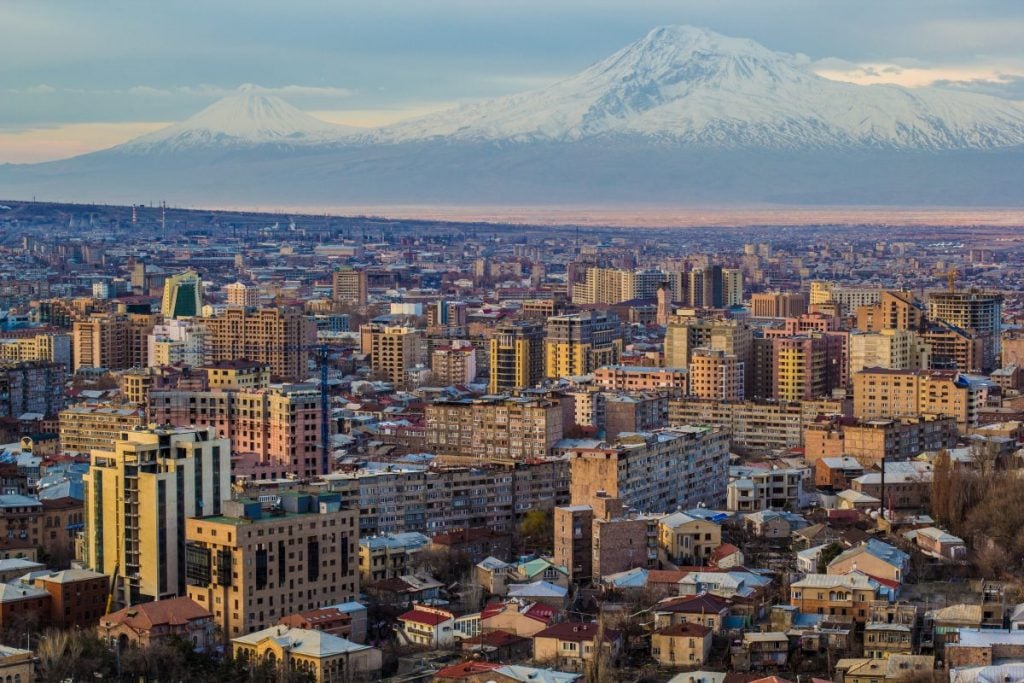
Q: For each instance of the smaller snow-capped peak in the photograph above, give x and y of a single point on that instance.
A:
(250, 116)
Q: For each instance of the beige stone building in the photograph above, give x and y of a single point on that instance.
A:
(579, 343)
(681, 645)
(86, 427)
(323, 657)
(393, 350)
(716, 374)
(688, 540)
(883, 394)
(113, 341)
(137, 498)
(349, 287)
(241, 294)
(277, 337)
(250, 566)
(47, 346)
(888, 348)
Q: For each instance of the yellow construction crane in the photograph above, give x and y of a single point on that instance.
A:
(951, 276)
(113, 589)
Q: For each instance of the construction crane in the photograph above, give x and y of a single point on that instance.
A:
(113, 589)
(951, 276)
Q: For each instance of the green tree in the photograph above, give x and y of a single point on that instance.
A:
(828, 553)
(537, 531)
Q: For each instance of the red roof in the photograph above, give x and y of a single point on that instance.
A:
(724, 550)
(685, 629)
(705, 603)
(421, 617)
(146, 615)
(493, 639)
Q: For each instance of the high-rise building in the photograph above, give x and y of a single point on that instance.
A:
(175, 342)
(85, 428)
(278, 427)
(47, 346)
(393, 350)
(977, 312)
(579, 343)
(114, 341)
(716, 374)
(894, 311)
(31, 387)
(888, 348)
(349, 287)
(778, 304)
(183, 295)
(732, 337)
(517, 355)
(612, 286)
(278, 337)
(573, 534)
(454, 364)
(886, 394)
(137, 499)
(447, 314)
(241, 294)
(732, 287)
(251, 566)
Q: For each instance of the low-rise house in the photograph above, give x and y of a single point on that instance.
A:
(848, 595)
(815, 535)
(78, 597)
(767, 649)
(150, 623)
(319, 655)
(493, 672)
(427, 626)
(517, 617)
(685, 644)
(982, 647)
(17, 665)
(855, 500)
(540, 591)
(726, 556)
(327, 619)
(390, 555)
(894, 668)
(405, 589)
(492, 575)
(874, 558)
(539, 569)
(939, 544)
(807, 560)
(688, 540)
(884, 639)
(997, 673)
(571, 645)
(498, 646)
(707, 610)
(773, 523)
(23, 607)
(943, 624)
(836, 473)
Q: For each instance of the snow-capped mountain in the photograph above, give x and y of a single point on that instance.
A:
(682, 116)
(694, 86)
(245, 118)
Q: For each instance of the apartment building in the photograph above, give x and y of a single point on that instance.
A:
(893, 311)
(31, 387)
(137, 499)
(579, 343)
(848, 595)
(276, 337)
(454, 364)
(757, 426)
(54, 347)
(398, 498)
(895, 349)
(686, 334)
(885, 394)
(393, 350)
(388, 556)
(279, 426)
(177, 342)
(754, 489)
(977, 312)
(113, 341)
(869, 441)
(250, 566)
(516, 355)
(573, 540)
(778, 304)
(241, 294)
(716, 374)
(349, 287)
(88, 427)
(688, 540)
(655, 471)
(638, 378)
(612, 286)
(495, 428)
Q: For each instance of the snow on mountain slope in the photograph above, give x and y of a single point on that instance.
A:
(695, 86)
(247, 117)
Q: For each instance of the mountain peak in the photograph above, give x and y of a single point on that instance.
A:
(247, 116)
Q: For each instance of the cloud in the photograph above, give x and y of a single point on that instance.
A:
(916, 74)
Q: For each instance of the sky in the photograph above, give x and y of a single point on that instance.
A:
(80, 76)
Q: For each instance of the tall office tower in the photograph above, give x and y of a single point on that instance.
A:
(977, 312)
(241, 294)
(732, 287)
(579, 343)
(393, 350)
(183, 295)
(348, 287)
(137, 498)
(278, 337)
(716, 374)
(517, 355)
(301, 556)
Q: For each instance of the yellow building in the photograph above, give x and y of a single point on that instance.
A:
(237, 374)
(137, 498)
(683, 644)
(321, 656)
(84, 428)
(183, 295)
(884, 394)
(688, 540)
(17, 665)
(517, 355)
(54, 347)
(277, 337)
(249, 566)
(392, 349)
(579, 343)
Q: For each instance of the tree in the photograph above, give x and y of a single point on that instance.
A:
(537, 531)
(828, 553)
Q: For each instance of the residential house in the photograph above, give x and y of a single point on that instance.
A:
(688, 540)
(685, 644)
(542, 592)
(571, 645)
(874, 558)
(773, 523)
(707, 610)
(475, 543)
(767, 649)
(889, 670)
(150, 623)
(836, 474)
(846, 595)
(426, 626)
(517, 617)
(492, 575)
(498, 646)
(939, 544)
(321, 656)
